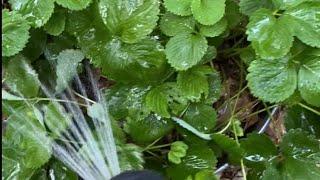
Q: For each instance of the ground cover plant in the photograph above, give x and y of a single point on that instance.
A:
(190, 85)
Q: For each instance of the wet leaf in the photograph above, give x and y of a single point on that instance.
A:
(15, 32)
(148, 129)
(74, 5)
(185, 50)
(56, 24)
(131, 21)
(172, 25)
(270, 37)
(179, 7)
(248, 7)
(297, 117)
(67, 63)
(202, 117)
(208, 12)
(25, 144)
(215, 29)
(21, 78)
(258, 150)
(198, 158)
(130, 157)
(37, 13)
(272, 81)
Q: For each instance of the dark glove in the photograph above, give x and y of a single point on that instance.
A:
(138, 175)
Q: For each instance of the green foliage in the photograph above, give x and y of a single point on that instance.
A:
(74, 5)
(172, 25)
(56, 23)
(198, 158)
(208, 12)
(177, 151)
(25, 145)
(15, 32)
(185, 50)
(163, 67)
(67, 63)
(20, 77)
(131, 21)
(131, 157)
(37, 13)
(297, 157)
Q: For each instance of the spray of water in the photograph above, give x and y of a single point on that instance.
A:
(86, 146)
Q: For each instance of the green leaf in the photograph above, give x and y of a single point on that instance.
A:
(25, 144)
(232, 15)
(198, 158)
(130, 157)
(172, 25)
(248, 7)
(258, 150)
(59, 170)
(270, 37)
(297, 117)
(284, 5)
(36, 44)
(15, 32)
(309, 80)
(148, 129)
(177, 101)
(177, 151)
(10, 97)
(190, 128)
(56, 24)
(215, 88)
(301, 155)
(74, 4)
(202, 117)
(131, 21)
(139, 63)
(179, 7)
(205, 175)
(272, 80)
(157, 102)
(185, 50)
(215, 29)
(20, 77)
(58, 44)
(247, 55)
(36, 12)
(56, 119)
(304, 20)
(194, 82)
(209, 55)
(208, 12)
(230, 146)
(67, 63)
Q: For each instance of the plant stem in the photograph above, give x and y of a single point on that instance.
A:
(50, 99)
(260, 111)
(159, 146)
(309, 108)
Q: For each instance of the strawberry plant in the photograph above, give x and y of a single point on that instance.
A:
(195, 89)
